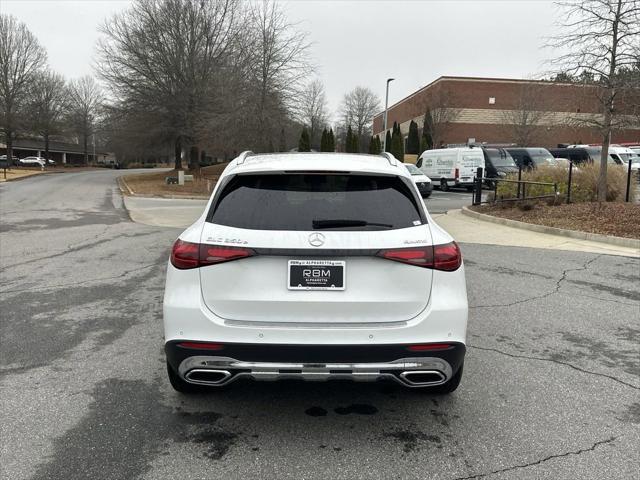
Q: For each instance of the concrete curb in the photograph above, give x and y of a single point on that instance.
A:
(593, 237)
(39, 174)
(125, 189)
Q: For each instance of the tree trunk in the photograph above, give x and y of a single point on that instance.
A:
(9, 135)
(46, 146)
(604, 157)
(178, 153)
(86, 149)
(194, 160)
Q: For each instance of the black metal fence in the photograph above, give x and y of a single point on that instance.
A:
(521, 192)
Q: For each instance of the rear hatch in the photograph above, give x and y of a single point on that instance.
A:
(313, 241)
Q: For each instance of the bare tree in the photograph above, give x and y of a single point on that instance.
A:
(165, 60)
(48, 100)
(439, 114)
(85, 99)
(312, 109)
(602, 38)
(277, 64)
(523, 120)
(358, 108)
(21, 56)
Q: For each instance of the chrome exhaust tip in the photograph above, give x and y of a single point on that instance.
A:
(203, 376)
(423, 378)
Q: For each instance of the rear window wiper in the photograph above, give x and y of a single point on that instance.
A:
(341, 222)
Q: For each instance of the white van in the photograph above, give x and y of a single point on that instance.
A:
(451, 167)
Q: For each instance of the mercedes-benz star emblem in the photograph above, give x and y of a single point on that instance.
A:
(316, 239)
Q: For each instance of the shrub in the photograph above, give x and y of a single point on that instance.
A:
(584, 183)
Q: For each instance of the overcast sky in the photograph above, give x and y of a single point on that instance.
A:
(354, 42)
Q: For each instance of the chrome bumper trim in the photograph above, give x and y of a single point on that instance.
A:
(271, 371)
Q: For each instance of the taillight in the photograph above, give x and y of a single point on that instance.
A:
(211, 254)
(185, 255)
(439, 257)
(447, 257)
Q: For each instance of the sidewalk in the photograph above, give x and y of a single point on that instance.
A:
(470, 230)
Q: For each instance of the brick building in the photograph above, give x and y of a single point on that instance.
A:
(493, 110)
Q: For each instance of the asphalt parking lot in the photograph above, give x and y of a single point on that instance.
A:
(551, 388)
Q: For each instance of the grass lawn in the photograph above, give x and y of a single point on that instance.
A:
(153, 183)
(610, 218)
(15, 172)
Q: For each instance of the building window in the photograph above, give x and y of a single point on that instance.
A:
(492, 100)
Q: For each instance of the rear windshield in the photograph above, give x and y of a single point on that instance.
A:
(316, 202)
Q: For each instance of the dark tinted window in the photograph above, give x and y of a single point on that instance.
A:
(296, 201)
(499, 157)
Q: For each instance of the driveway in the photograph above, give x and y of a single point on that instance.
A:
(551, 387)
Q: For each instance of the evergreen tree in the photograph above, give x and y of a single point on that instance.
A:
(387, 142)
(282, 147)
(423, 144)
(397, 143)
(347, 141)
(426, 130)
(413, 141)
(355, 143)
(304, 144)
(323, 141)
(331, 141)
(374, 145)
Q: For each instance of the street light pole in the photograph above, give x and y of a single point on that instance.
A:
(386, 108)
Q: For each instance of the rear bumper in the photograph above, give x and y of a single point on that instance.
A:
(315, 363)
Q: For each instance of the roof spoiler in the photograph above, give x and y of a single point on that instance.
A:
(390, 158)
(243, 156)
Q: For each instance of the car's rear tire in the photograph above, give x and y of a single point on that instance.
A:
(179, 385)
(444, 185)
(446, 388)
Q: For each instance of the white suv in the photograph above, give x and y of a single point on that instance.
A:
(315, 266)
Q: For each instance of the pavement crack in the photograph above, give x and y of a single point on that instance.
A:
(72, 249)
(556, 289)
(559, 362)
(542, 460)
(82, 282)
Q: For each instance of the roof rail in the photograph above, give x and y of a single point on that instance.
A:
(390, 158)
(243, 156)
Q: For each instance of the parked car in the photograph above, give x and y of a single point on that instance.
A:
(498, 163)
(577, 156)
(14, 159)
(451, 167)
(425, 187)
(32, 161)
(315, 266)
(532, 157)
(622, 154)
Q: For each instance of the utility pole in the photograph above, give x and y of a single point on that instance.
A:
(386, 108)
